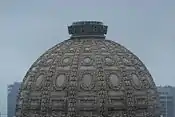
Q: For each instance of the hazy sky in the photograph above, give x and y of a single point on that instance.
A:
(30, 27)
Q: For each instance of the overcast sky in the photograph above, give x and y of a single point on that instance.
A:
(30, 27)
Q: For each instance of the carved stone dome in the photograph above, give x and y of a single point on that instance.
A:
(88, 76)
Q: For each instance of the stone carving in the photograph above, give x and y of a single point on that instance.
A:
(87, 49)
(87, 79)
(66, 60)
(87, 61)
(26, 80)
(39, 80)
(136, 81)
(114, 79)
(109, 61)
(60, 80)
(88, 75)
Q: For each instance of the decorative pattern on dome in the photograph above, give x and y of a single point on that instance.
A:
(39, 80)
(87, 61)
(60, 80)
(88, 77)
(86, 81)
(109, 61)
(66, 61)
(136, 81)
(114, 79)
(87, 49)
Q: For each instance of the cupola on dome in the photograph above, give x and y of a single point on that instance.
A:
(88, 76)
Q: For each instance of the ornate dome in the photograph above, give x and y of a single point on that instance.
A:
(88, 76)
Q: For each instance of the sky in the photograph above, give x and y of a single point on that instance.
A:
(29, 27)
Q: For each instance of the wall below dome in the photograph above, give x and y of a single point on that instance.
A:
(88, 77)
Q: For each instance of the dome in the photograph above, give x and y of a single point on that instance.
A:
(88, 76)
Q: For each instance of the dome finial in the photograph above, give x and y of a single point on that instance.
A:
(86, 29)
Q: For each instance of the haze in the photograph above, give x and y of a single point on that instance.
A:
(30, 27)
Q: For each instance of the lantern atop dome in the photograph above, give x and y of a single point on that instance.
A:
(87, 29)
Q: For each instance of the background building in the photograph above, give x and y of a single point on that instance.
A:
(13, 90)
(167, 100)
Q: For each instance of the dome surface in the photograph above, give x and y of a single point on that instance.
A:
(88, 76)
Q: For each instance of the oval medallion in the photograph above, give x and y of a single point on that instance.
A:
(60, 80)
(39, 80)
(136, 80)
(108, 61)
(87, 78)
(114, 79)
(87, 60)
(66, 60)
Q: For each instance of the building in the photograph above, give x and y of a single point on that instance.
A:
(88, 76)
(167, 100)
(13, 91)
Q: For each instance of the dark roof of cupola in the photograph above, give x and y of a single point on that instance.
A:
(87, 29)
